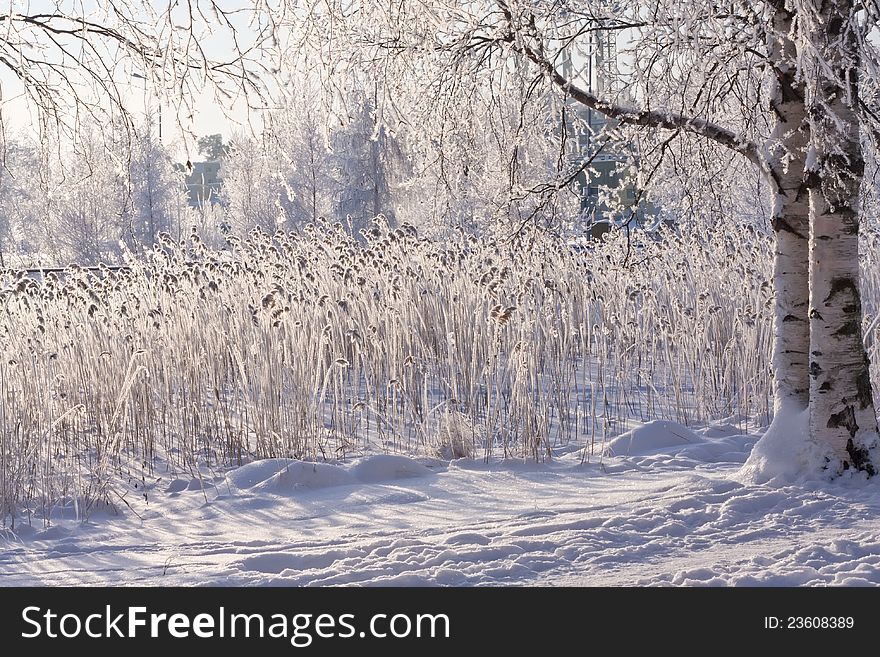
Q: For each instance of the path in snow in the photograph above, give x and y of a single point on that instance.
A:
(672, 514)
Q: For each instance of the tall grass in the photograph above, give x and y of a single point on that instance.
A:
(318, 346)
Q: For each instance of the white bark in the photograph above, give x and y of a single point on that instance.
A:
(786, 156)
(842, 416)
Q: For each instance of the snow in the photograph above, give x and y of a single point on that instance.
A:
(650, 437)
(387, 468)
(785, 452)
(296, 475)
(679, 510)
(288, 476)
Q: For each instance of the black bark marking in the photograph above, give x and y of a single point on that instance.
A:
(825, 387)
(846, 419)
(815, 369)
(850, 162)
(850, 328)
(861, 458)
(780, 225)
(812, 180)
(816, 353)
(863, 387)
(814, 314)
(849, 222)
(841, 284)
(853, 308)
(792, 318)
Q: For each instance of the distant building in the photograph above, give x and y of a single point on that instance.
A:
(606, 174)
(608, 160)
(203, 183)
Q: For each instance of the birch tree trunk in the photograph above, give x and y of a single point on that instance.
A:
(785, 154)
(842, 416)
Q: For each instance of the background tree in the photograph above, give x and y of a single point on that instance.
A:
(254, 191)
(19, 203)
(212, 148)
(363, 171)
(154, 194)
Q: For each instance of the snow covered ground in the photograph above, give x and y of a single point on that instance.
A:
(670, 506)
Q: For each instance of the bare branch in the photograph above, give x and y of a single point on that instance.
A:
(666, 120)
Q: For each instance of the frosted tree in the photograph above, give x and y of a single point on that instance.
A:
(282, 178)
(58, 204)
(362, 156)
(154, 196)
(298, 134)
(20, 203)
(212, 148)
(486, 163)
(307, 165)
(253, 190)
(90, 192)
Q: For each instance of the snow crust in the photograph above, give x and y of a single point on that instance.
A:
(681, 508)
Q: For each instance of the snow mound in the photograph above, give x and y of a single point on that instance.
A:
(177, 486)
(720, 451)
(385, 467)
(785, 454)
(650, 438)
(251, 474)
(721, 430)
(195, 484)
(283, 476)
(297, 475)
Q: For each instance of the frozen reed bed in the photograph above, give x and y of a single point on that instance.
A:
(319, 346)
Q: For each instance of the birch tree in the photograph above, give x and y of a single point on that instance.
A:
(841, 399)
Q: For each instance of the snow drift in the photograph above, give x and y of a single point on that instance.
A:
(650, 438)
(285, 476)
